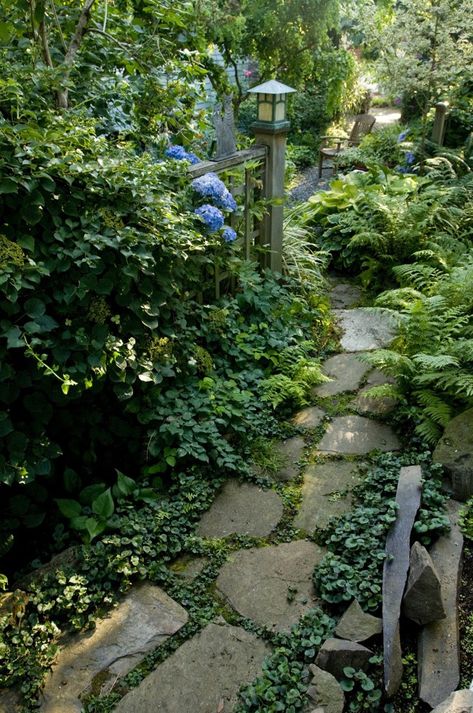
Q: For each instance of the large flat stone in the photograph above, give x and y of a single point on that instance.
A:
(396, 566)
(202, 676)
(365, 329)
(458, 702)
(422, 601)
(346, 372)
(343, 295)
(439, 645)
(243, 509)
(309, 418)
(357, 625)
(455, 452)
(291, 451)
(271, 585)
(140, 623)
(356, 435)
(321, 493)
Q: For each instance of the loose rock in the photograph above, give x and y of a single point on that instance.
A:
(202, 676)
(271, 585)
(458, 702)
(365, 329)
(355, 435)
(439, 646)
(455, 452)
(423, 597)
(140, 623)
(241, 508)
(325, 690)
(321, 501)
(356, 625)
(309, 418)
(395, 570)
(346, 372)
(337, 654)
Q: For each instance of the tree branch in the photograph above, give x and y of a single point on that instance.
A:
(79, 33)
(44, 43)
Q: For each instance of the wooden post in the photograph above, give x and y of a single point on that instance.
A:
(438, 131)
(272, 230)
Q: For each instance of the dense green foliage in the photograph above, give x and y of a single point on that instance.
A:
(352, 569)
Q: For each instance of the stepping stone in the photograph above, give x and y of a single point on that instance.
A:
(271, 585)
(355, 435)
(344, 295)
(337, 654)
(291, 451)
(395, 570)
(241, 509)
(458, 702)
(365, 329)
(188, 569)
(439, 646)
(357, 625)
(325, 690)
(320, 500)
(146, 618)
(455, 452)
(203, 676)
(309, 418)
(346, 371)
(423, 596)
(382, 406)
(10, 701)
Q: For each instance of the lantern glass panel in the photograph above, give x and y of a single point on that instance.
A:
(280, 113)
(265, 107)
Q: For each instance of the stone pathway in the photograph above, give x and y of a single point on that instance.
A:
(264, 580)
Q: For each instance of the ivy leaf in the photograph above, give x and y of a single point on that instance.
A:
(69, 508)
(125, 485)
(103, 506)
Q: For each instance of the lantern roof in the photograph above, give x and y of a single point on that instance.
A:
(271, 87)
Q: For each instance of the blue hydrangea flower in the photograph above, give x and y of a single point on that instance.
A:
(229, 235)
(210, 186)
(402, 136)
(180, 154)
(410, 157)
(401, 169)
(212, 217)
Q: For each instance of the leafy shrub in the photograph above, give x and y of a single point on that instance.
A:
(352, 569)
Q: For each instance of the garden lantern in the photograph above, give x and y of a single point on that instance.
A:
(272, 105)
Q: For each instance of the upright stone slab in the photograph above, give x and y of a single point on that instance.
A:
(322, 490)
(365, 329)
(346, 372)
(271, 585)
(243, 509)
(202, 676)
(356, 435)
(395, 570)
(423, 596)
(140, 623)
(439, 645)
(455, 452)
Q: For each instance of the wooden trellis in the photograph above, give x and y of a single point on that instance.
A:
(253, 229)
